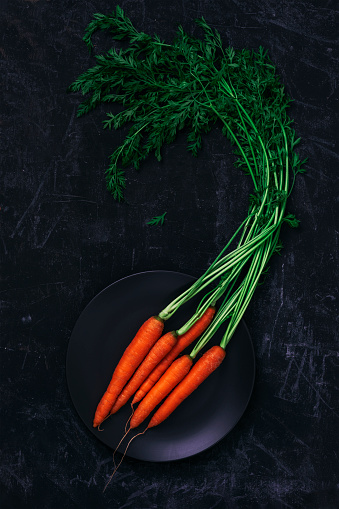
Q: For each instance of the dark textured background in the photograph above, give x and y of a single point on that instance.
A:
(63, 239)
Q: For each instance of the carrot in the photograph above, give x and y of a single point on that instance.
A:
(200, 371)
(183, 342)
(134, 354)
(154, 356)
(175, 373)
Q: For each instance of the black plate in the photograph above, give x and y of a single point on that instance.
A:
(99, 338)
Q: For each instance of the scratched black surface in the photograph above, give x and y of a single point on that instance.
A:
(63, 239)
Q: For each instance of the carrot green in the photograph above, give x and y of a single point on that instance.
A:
(191, 85)
(156, 220)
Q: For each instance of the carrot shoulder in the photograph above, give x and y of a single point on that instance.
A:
(183, 342)
(200, 371)
(154, 356)
(175, 373)
(134, 354)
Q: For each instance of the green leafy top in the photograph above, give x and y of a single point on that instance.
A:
(188, 84)
(157, 220)
(191, 84)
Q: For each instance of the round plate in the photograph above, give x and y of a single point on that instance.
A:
(100, 336)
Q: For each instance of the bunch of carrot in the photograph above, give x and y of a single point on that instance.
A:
(194, 83)
(149, 370)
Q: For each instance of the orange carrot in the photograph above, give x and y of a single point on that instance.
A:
(134, 354)
(154, 356)
(175, 373)
(200, 371)
(183, 342)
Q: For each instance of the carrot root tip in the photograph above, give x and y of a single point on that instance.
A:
(116, 467)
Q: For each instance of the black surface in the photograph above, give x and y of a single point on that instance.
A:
(98, 341)
(64, 239)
